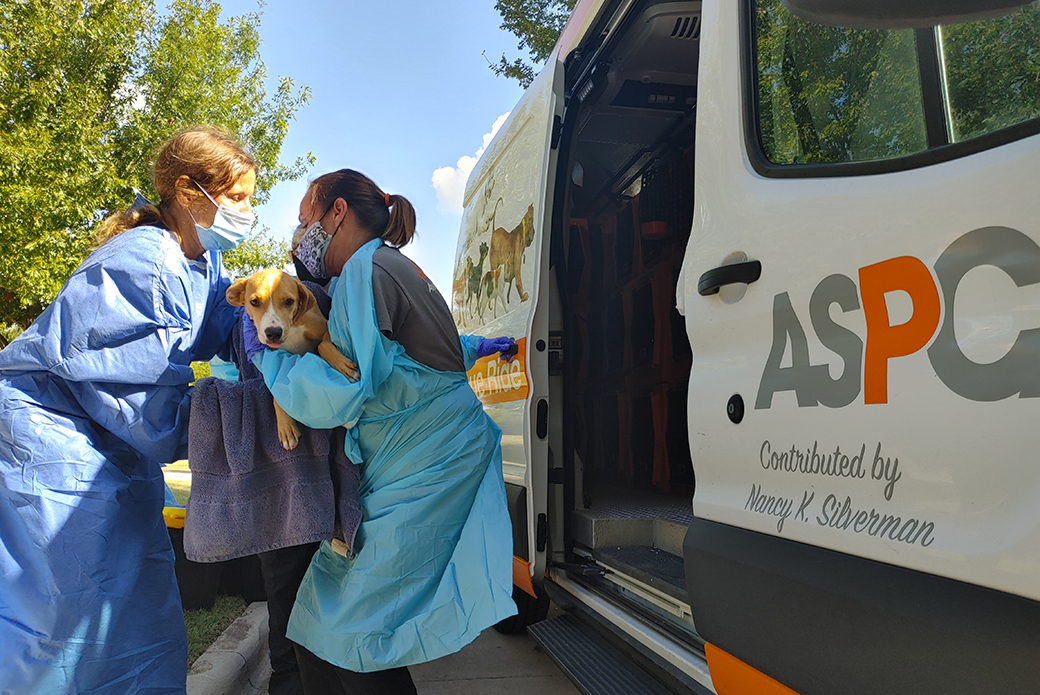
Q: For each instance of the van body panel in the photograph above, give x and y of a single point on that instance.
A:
(908, 471)
(577, 28)
(823, 622)
(499, 289)
(859, 515)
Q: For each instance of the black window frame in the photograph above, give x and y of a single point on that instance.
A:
(939, 148)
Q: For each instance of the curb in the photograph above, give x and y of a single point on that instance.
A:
(236, 663)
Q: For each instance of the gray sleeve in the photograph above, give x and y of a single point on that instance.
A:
(392, 303)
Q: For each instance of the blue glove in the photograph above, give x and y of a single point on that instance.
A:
(250, 340)
(489, 346)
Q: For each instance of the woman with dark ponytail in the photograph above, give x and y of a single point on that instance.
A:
(433, 564)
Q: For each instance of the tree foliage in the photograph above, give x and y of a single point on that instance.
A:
(255, 253)
(88, 92)
(836, 95)
(829, 95)
(993, 72)
(537, 23)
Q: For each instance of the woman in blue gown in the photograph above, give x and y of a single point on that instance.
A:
(93, 397)
(432, 566)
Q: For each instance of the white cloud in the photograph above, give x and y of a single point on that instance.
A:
(450, 182)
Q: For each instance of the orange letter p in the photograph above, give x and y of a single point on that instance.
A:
(885, 341)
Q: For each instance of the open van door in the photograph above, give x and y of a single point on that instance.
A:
(499, 288)
(861, 298)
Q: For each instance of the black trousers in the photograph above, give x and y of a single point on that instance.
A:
(296, 671)
(283, 571)
(322, 678)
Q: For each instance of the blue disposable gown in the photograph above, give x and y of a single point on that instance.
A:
(92, 397)
(433, 563)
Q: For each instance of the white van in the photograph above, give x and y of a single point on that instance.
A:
(775, 422)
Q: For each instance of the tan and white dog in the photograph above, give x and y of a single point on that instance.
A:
(287, 317)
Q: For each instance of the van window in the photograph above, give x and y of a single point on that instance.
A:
(828, 95)
(993, 72)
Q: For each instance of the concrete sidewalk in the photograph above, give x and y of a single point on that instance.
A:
(493, 663)
(237, 664)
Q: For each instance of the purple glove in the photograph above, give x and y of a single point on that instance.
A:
(250, 340)
(489, 346)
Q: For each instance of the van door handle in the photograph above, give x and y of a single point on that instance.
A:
(711, 281)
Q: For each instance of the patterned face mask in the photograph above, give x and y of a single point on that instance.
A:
(311, 249)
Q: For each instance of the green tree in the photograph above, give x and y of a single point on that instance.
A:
(828, 94)
(993, 72)
(61, 68)
(88, 92)
(255, 253)
(537, 23)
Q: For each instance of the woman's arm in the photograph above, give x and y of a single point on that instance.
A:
(119, 335)
(474, 347)
(469, 349)
(311, 391)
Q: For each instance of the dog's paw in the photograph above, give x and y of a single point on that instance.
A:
(346, 367)
(336, 359)
(288, 434)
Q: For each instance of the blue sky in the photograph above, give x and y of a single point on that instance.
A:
(399, 90)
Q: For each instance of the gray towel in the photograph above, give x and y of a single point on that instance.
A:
(248, 494)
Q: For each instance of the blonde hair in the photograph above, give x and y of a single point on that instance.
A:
(212, 158)
(390, 217)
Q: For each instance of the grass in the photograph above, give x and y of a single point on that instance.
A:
(204, 627)
(180, 488)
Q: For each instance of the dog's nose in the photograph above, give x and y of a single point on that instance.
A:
(274, 334)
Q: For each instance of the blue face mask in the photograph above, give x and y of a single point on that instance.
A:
(230, 227)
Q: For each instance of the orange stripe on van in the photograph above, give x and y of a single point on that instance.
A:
(731, 676)
(522, 575)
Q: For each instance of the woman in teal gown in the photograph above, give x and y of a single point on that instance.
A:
(433, 564)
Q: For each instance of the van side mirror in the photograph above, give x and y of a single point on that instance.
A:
(899, 14)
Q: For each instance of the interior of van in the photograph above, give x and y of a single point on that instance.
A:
(626, 173)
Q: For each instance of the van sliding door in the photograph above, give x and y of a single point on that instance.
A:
(500, 288)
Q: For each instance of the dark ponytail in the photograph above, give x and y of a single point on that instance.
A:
(390, 217)
(401, 227)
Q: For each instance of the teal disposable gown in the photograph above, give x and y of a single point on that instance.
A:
(92, 397)
(433, 562)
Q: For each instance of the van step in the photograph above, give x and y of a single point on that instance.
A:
(592, 664)
(626, 517)
(652, 566)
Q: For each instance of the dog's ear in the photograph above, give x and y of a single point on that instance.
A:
(305, 301)
(236, 294)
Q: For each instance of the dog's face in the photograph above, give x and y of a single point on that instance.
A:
(275, 301)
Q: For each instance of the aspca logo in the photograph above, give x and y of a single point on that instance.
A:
(866, 361)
